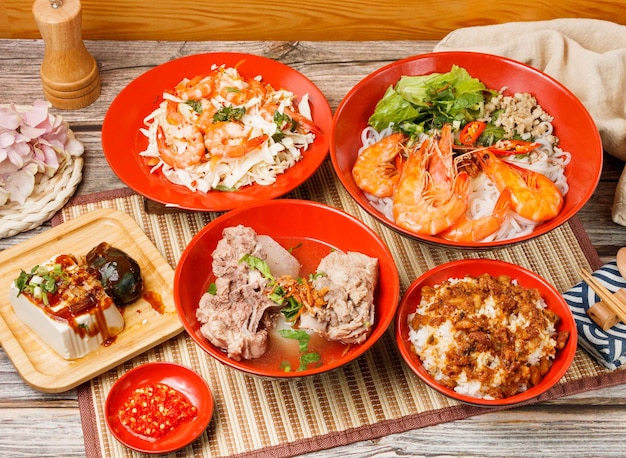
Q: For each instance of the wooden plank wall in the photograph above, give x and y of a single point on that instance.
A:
(293, 20)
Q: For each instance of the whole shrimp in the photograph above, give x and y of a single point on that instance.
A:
(533, 195)
(293, 119)
(230, 140)
(430, 197)
(199, 87)
(467, 229)
(184, 150)
(376, 169)
(252, 88)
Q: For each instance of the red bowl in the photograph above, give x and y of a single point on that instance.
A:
(179, 377)
(474, 268)
(318, 229)
(572, 124)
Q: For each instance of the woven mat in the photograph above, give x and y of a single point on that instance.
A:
(374, 396)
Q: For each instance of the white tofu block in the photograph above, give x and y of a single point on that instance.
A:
(71, 335)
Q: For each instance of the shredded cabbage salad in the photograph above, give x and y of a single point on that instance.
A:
(33, 143)
(221, 131)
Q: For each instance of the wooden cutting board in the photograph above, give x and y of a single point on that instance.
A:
(146, 327)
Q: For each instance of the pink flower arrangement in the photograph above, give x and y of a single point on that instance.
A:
(33, 143)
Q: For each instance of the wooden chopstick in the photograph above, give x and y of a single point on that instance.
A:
(605, 295)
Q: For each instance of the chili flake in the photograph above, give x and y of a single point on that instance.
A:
(155, 410)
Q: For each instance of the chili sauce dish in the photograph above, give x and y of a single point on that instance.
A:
(158, 407)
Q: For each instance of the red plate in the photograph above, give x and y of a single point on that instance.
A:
(176, 376)
(122, 141)
(474, 268)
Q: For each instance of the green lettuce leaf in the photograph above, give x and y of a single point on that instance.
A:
(392, 108)
(420, 103)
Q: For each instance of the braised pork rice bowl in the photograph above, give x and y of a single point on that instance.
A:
(494, 335)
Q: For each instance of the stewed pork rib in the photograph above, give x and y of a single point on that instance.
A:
(349, 314)
(238, 316)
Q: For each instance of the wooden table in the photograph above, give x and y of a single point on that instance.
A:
(38, 424)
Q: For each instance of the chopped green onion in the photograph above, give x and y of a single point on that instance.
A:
(308, 358)
(258, 264)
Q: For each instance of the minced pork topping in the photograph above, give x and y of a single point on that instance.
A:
(485, 337)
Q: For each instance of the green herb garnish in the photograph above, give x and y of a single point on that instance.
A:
(196, 105)
(302, 337)
(229, 113)
(291, 309)
(306, 357)
(258, 264)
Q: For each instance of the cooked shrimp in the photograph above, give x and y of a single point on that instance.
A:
(533, 195)
(205, 120)
(422, 205)
(240, 96)
(172, 115)
(201, 86)
(376, 170)
(268, 111)
(229, 139)
(441, 162)
(467, 229)
(182, 152)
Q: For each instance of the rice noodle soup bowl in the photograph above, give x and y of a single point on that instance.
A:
(309, 231)
(554, 303)
(571, 123)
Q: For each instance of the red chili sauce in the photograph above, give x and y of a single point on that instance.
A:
(155, 410)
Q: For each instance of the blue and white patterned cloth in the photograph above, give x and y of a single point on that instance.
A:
(608, 347)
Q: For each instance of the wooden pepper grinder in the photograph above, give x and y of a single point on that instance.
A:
(69, 74)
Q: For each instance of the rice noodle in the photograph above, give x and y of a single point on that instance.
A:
(548, 159)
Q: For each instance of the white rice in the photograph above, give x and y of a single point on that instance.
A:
(434, 344)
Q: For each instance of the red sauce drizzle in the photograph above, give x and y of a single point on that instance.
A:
(88, 304)
(155, 300)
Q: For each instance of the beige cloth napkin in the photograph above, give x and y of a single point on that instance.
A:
(588, 56)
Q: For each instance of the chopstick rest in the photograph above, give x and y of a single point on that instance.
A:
(607, 346)
(612, 307)
(602, 315)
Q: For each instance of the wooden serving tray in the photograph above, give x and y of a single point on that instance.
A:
(39, 365)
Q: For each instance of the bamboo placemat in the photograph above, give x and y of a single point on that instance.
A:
(376, 395)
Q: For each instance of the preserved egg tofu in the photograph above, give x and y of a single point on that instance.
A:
(65, 304)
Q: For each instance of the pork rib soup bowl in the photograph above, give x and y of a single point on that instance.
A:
(309, 231)
(405, 328)
(571, 123)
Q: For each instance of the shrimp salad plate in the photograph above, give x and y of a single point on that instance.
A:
(214, 131)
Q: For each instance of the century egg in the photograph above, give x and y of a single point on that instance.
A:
(119, 273)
